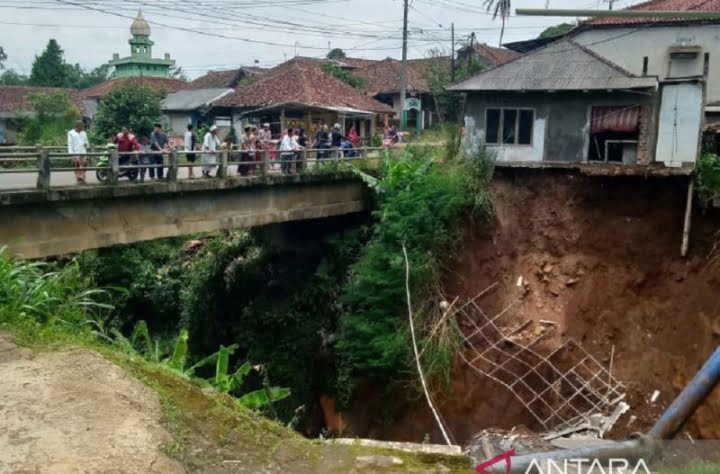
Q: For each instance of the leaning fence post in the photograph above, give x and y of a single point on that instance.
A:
(114, 171)
(173, 165)
(222, 171)
(43, 164)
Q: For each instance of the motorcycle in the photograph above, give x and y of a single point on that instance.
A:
(103, 162)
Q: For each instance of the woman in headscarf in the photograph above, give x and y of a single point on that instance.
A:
(353, 137)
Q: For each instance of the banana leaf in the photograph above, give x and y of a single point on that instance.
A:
(263, 397)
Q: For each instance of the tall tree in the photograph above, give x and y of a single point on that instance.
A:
(132, 106)
(79, 78)
(49, 69)
(499, 8)
(54, 114)
(336, 53)
(11, 77)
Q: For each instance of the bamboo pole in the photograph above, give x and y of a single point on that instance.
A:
(415, 348)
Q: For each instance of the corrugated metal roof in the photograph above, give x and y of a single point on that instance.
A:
(564, 65)
(193, 99)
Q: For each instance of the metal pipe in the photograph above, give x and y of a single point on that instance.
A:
(689, 399)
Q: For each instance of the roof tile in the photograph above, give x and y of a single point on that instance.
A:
(383, 77)
(302, 81)
(16, 99)
(159, 83)
(659, 5)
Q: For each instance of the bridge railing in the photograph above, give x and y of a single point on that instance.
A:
(54, 166)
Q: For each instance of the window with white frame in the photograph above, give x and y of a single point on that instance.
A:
(509, 126)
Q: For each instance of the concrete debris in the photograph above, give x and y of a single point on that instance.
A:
(362, 462)
(520, 282)
(654, 396)
(572, 282)
(569, 431)
(545, 321)
(631, 420)
(547, 269)
(399, 446)
(610, 421)
(507, 444)
(487, 448)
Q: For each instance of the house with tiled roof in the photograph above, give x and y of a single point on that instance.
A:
(488, 56)
(15, 103)
(226, 78)
(93, 95)
(381, 80)
(670, 48)
(299, 93)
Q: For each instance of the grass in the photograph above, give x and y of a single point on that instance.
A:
(697, 467)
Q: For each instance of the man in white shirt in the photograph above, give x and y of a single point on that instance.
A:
(211, 143)
(77, 143)
(288, 147)
(190, 140)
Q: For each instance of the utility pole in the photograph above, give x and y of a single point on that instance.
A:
(452, 52)
(610, 2)
(403, 74)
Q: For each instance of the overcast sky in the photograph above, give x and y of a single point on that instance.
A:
(90, 31)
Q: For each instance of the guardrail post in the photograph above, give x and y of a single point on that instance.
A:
(303, 160)
(43, 164)
(222, 171)
(265, 167)
(173, 166)
(114, 171)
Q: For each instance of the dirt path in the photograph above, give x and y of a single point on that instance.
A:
(72, 411)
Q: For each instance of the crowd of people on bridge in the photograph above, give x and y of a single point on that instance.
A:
(148, 152)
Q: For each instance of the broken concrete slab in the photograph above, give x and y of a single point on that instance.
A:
(448, 450)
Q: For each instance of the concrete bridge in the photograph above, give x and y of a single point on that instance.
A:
(40, 223)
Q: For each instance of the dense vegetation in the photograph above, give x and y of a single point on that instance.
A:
(53, 115)
(421, 205)
(708, 177)
(343, 75)
(316, 316)
(134, 106)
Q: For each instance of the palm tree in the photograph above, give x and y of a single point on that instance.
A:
(499, 8)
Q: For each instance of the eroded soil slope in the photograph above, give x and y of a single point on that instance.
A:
(601, 258)
(72, 411)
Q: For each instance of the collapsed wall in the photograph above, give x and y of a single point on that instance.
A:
(599, 261)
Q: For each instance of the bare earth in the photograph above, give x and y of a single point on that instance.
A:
(72, 411)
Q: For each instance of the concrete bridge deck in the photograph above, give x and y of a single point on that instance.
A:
(37, 223)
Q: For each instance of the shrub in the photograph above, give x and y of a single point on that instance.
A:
(44, 301)
(421, 205)
(707, 177)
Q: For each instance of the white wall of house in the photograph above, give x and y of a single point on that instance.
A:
(679, 124)
(628, 46)
(177, 122)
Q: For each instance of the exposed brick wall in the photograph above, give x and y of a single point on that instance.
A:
(645, 135)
